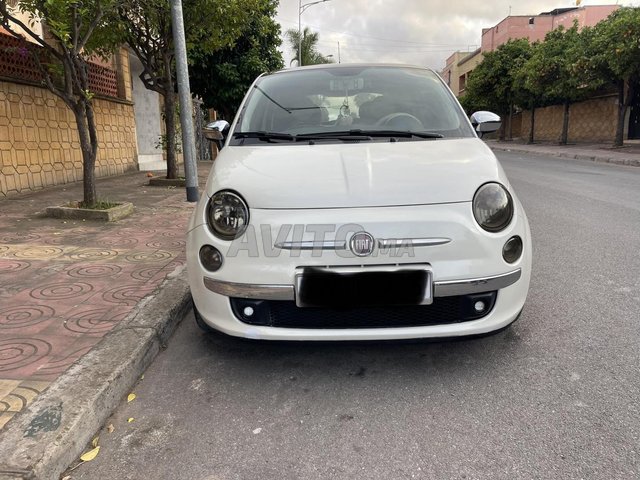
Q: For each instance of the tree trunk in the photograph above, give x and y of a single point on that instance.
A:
(623, 105)
(533, 125)
(85, 122)
(502, 131)
(170, 130)
(565, 124)
(510, 122)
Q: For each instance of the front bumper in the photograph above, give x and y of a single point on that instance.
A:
(471, 262)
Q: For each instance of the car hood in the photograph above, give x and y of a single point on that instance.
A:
(367, 174)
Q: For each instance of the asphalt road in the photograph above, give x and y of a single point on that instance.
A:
(556, 396)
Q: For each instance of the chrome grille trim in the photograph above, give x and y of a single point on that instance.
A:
(452, 288)
(248, 290)
(411, 242)
(311, 245)
(447, 288)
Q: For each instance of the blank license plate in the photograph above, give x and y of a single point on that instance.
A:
(317, 287)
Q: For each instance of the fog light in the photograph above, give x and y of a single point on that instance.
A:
(512, 249)
(248, 311)
(479, 307)
(210, 258)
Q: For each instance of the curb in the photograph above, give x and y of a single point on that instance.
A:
(43, 440)
(629, 162)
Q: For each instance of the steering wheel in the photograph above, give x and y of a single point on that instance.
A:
(401, 120)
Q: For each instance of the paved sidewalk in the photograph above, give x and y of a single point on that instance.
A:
(602, 153)
(65, 283)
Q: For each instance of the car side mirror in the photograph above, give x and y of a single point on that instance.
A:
(485, 122)
(216, 131)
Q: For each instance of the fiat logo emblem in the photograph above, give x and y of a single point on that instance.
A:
(361, 244)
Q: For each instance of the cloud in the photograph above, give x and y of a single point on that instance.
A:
(421, 32)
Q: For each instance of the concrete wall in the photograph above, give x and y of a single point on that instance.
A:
(148, 120)
(590, 121)
(39, 141)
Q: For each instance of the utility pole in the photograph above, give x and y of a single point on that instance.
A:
(186, 105)
(299, 33)
(301, 9)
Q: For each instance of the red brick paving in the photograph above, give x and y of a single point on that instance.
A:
(66, 283)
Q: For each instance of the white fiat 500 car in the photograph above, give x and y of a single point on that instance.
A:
(356, 202)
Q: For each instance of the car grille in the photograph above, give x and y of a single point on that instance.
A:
(285, 314)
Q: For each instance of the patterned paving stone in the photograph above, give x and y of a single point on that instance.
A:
(64, 284)
(24, 316)
(20, 356)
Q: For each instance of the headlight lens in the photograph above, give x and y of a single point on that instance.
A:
(227, 215)
(492, 207)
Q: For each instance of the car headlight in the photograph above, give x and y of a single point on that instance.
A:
(227, 215)
(492, 207)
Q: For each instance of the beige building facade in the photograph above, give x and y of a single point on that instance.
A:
(458, 68)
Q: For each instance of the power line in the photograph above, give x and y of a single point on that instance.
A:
(383, 48)
(394, 47)
(369, 36)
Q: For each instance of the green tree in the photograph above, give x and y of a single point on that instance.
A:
(614, 55)
(310, 53)
(556, 71)
(146, 27)
(472, 102)
(492, 84)
(527, 94)
(222, 78)
(75, 31)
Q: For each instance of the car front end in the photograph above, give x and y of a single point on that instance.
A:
(308, 239)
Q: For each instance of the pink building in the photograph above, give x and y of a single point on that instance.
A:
(536, 27)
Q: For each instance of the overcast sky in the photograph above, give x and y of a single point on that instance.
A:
(420, 32)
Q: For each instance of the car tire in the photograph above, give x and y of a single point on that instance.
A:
(212, 333)
(200, 321)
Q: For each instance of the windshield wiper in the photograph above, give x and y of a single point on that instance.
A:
(271, 99)
(396, 133)
(265, 136)
(352, 135)
(289, 110)
(344, 136)
(360, 134)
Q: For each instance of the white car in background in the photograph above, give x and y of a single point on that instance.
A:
(356, 202)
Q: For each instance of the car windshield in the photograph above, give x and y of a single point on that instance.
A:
(341, 101)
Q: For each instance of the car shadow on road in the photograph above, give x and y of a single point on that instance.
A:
(384, 360)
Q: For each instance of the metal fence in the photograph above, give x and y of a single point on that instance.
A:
(200, 118)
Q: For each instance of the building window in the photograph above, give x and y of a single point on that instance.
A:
(531, 21)
(463, 83)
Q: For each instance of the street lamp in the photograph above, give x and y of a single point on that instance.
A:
(301, 10)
